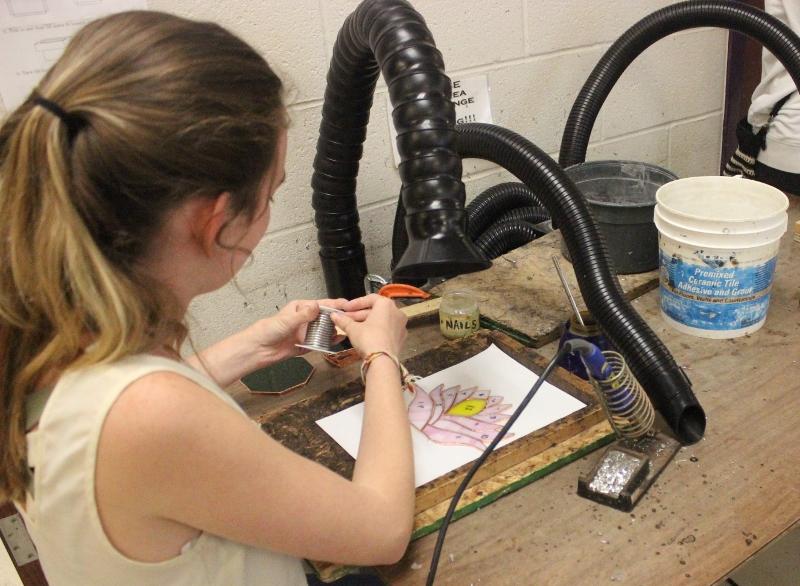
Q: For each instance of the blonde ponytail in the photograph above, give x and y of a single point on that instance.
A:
(171, 109)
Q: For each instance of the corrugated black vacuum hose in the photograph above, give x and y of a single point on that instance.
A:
(488, 206)
(390, 37)
(504, 236)
(499, 203)
(755, 23)
(663, 380)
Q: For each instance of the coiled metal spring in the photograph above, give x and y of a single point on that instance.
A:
(320, 332)
(628, 407)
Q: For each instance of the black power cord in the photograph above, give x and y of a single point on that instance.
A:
(437, 550)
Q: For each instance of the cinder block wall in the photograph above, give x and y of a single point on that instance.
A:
(666, 109)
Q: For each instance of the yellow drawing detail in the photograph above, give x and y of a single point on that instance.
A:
(468, 408)
(458, 417)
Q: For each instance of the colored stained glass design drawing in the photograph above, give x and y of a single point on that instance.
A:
(458, 417)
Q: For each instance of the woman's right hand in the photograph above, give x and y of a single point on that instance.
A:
(373, 324)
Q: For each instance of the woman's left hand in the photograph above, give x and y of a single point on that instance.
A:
(275, 337)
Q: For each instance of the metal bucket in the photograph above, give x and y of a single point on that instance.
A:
(622, 195)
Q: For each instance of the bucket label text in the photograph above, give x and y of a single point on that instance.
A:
(728, 297)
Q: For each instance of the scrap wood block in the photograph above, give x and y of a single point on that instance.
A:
(520, 294)
(551, 447)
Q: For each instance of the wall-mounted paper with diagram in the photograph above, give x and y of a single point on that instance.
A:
(34, 33)
(457, 411)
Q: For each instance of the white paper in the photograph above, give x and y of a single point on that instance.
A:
(471, 97)
(33, 34)
(491, 369)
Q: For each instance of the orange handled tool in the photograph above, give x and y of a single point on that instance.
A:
(401, 291)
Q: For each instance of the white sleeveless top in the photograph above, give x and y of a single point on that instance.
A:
(61, 513)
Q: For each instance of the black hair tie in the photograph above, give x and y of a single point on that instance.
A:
(74, 122)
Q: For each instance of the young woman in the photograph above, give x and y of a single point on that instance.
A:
(136, 176)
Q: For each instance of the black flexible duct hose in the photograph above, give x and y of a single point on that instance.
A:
(389, 36)
(493, 206)
(652, 364)
(399, 236)
(489, 205)
(529, 214)
(492, 202)
(487, 208)
(771, 32)
(504, 236)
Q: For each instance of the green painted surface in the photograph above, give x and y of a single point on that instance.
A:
(279, 377)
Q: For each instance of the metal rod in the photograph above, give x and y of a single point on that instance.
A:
(567, 290)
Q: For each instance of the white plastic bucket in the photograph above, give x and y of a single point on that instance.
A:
(718, 241)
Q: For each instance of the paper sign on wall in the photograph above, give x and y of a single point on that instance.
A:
(471, 98)
(34, 33)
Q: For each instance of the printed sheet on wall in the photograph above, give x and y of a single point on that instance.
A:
(34, 33)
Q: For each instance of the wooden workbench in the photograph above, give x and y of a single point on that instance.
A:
(714, 506)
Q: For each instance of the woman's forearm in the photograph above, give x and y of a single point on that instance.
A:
(385, 460)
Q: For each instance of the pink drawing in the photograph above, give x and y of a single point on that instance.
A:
(458, 417)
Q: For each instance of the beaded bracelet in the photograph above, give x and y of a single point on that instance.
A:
(405, 377)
